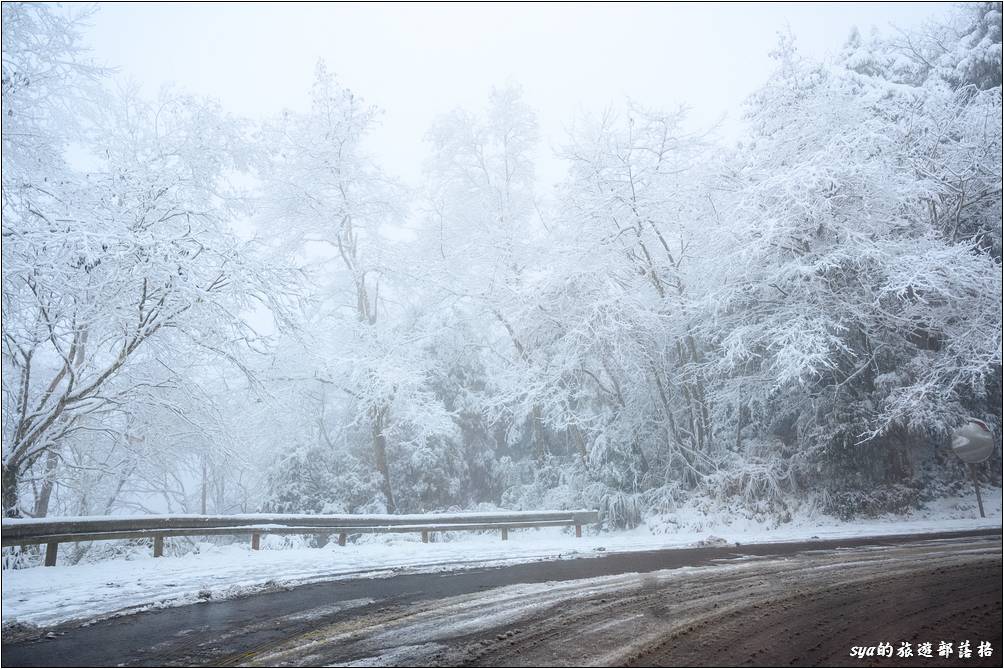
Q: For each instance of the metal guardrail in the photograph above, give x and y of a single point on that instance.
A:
(53, 532)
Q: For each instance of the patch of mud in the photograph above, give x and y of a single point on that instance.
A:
(821, 625)
(12, 631)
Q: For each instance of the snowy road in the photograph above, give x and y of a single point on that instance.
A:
(645, 607)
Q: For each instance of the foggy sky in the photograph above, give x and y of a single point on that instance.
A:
(418, 61)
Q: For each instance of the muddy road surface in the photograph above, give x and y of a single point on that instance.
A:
(766, 605)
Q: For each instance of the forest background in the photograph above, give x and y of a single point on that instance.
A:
(202, 313)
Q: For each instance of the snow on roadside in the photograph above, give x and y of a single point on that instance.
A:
(45, 596)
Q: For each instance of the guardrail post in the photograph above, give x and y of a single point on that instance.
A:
(255, 541)
(341, 538)
(425, 536)
(505, 534)
(50, 554)
(158, 546)
(578, 530)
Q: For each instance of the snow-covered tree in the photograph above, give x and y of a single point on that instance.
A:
(335, 211)
(858, 309)
(111, 271)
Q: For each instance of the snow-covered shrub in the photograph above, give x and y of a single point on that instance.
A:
(430, 475)
(320, 480)
(878, 501)
(619, 509)
(18, 557)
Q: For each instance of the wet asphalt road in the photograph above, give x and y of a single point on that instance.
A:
(225, 632)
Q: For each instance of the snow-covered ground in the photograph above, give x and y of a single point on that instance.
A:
(49, 595)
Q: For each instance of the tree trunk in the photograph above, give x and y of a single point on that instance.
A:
(580, 445)
(205, 486)
(380, 455)
(8, 485)
(45, 494)
(537, 433)
(741, 416)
